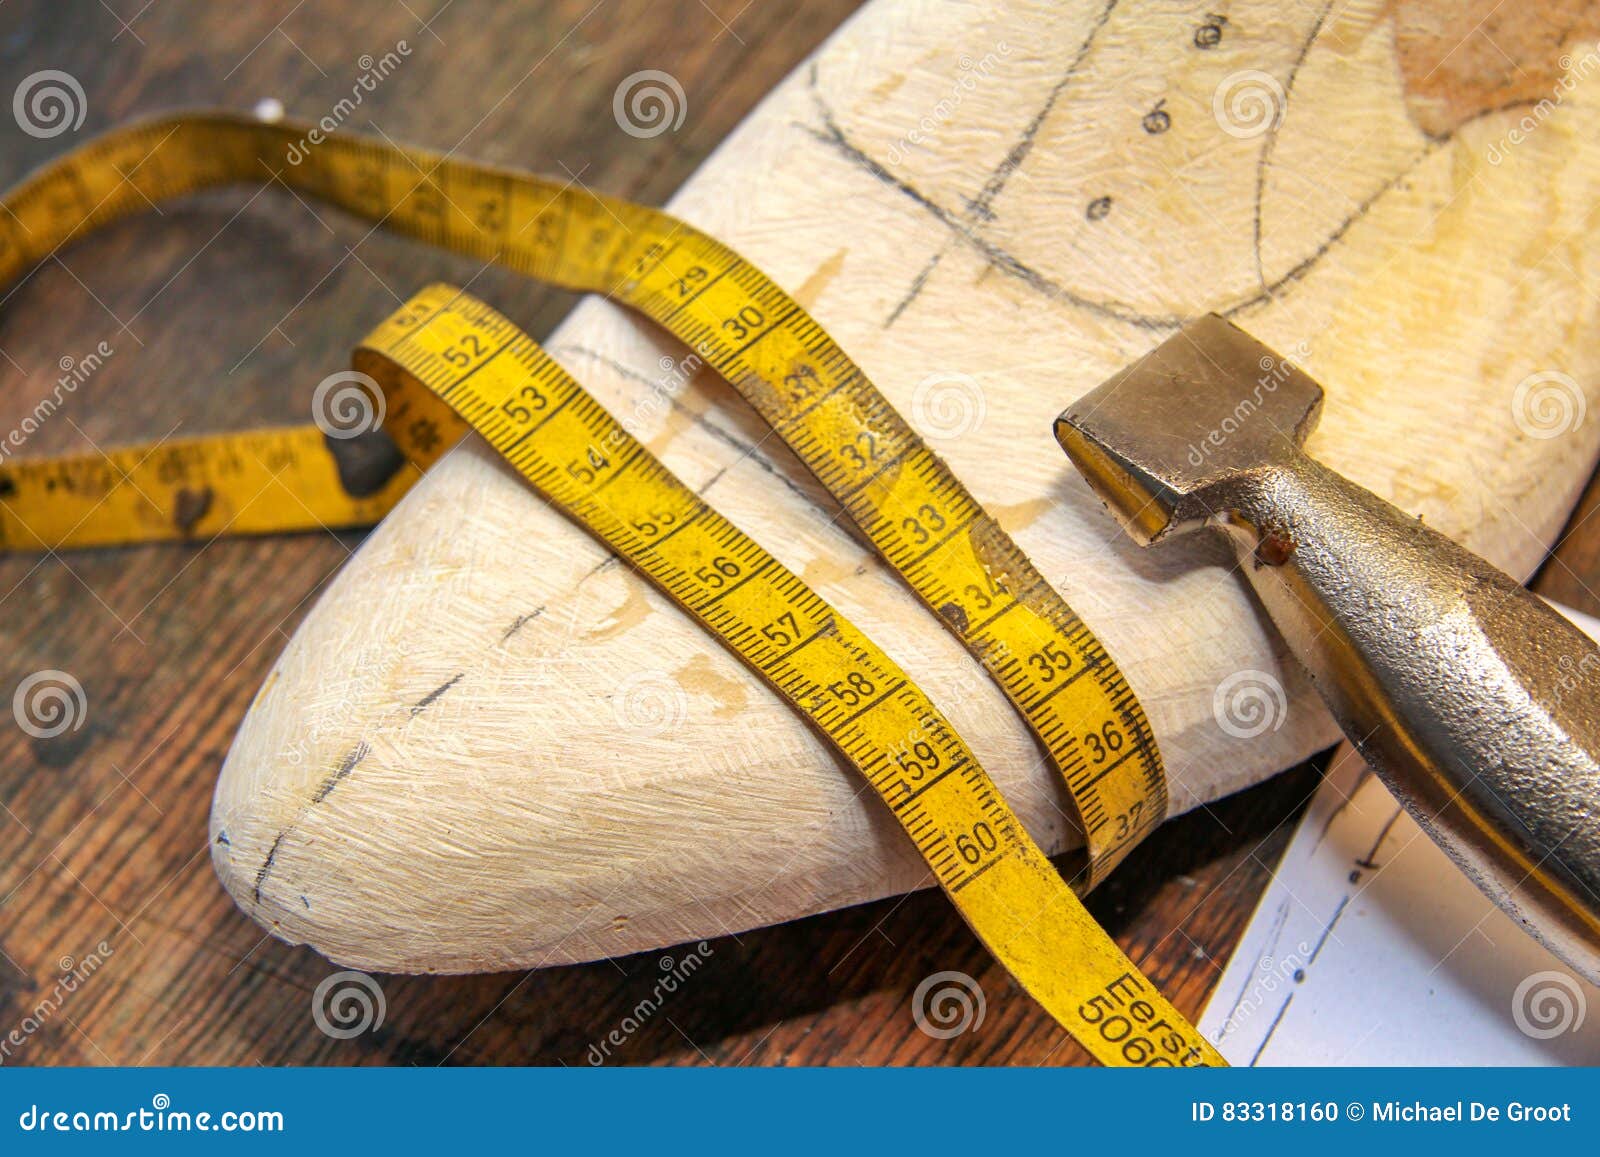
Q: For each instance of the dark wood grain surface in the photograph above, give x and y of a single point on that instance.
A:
(226, 310)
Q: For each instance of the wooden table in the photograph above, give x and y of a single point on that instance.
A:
(226, 310)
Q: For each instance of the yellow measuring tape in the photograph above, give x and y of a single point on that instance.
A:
(445, 347)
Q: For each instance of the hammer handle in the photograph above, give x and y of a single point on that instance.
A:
(1472, 700)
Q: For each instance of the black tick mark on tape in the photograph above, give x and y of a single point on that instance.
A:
(190, 507)
(365, 462)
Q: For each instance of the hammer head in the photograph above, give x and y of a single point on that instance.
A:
(1164, 440)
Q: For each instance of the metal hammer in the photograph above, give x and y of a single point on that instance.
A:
(1471, 698)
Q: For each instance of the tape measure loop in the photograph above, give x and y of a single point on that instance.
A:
(499, 383)
(444, 363)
